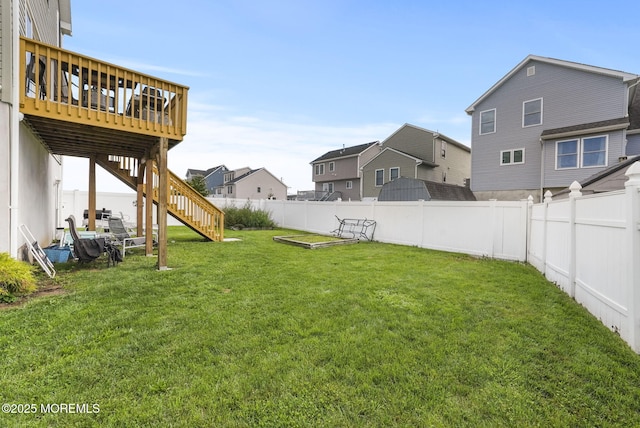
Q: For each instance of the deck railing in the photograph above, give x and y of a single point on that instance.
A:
(64, 85)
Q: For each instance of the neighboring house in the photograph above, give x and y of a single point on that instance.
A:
(30, 179)
(247, 183)
(336, 174)
(550, 122)
(417, 153)
(213, 177)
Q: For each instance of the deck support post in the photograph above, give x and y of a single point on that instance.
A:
(163, 193)
(92, 194)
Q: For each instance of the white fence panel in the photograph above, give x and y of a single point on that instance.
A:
(600, 236)
(537, 236)
(558, 259)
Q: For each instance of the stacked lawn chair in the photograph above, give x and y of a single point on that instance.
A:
(122, 238)
(89, 249)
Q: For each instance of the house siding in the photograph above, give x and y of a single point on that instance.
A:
(570, 97)
(247, 188)
(5, 177)
(563, 177)
(5, 31)
(413, 141)
(44, 15)
(346, 169)
(456, 164)
(39, 173)
(386, 160)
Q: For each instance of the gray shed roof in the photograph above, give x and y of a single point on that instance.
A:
(411, 189)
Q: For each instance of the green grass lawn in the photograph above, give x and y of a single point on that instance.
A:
(259, 333)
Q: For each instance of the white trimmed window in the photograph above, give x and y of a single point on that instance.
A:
(512, 157)
(379, 177)
(532, 113)
(349, 184)
(582, 152)
(488, 121)
(332, 166)
(320, 169)
(443, 149)
(394, 173)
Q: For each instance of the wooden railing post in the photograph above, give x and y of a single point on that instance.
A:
(148, 207)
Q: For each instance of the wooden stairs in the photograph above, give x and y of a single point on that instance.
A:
(184, 202)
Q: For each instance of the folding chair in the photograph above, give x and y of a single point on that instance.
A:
(122, 237)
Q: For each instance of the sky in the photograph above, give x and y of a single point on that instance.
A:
(276, 84)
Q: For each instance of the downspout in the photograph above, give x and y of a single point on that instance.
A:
(14, 137)
(541, 169)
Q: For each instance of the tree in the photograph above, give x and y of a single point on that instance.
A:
(199, 184)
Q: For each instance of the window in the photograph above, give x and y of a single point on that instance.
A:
(444, 176)
(443, 149)
(594, 151)
(487, 121)
(349, 184)
(259, 190)
(512, 157)
(394, 173)
(582, 153)
(332, 166)
(28, 26)
(229, 190)
(532, 113)
(327, 187)
(379, 177)
(320, 169)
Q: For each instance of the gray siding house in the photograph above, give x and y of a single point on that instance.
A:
(418, 153)
(213, 177)
(549, 122)
(336, 174)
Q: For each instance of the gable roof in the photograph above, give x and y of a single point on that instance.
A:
(253, 171)
(626, 77)
(345, 152)
(204, 172)
(436, 134)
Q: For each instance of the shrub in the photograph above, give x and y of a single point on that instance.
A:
(247, 216)
(16, 278)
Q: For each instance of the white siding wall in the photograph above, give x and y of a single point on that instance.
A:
(4, 177)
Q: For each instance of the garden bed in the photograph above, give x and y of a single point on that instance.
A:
(314, 241)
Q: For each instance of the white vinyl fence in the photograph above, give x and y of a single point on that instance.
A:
(588, 245)
(492, 228)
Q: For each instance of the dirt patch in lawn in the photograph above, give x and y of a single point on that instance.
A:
(45, 290)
